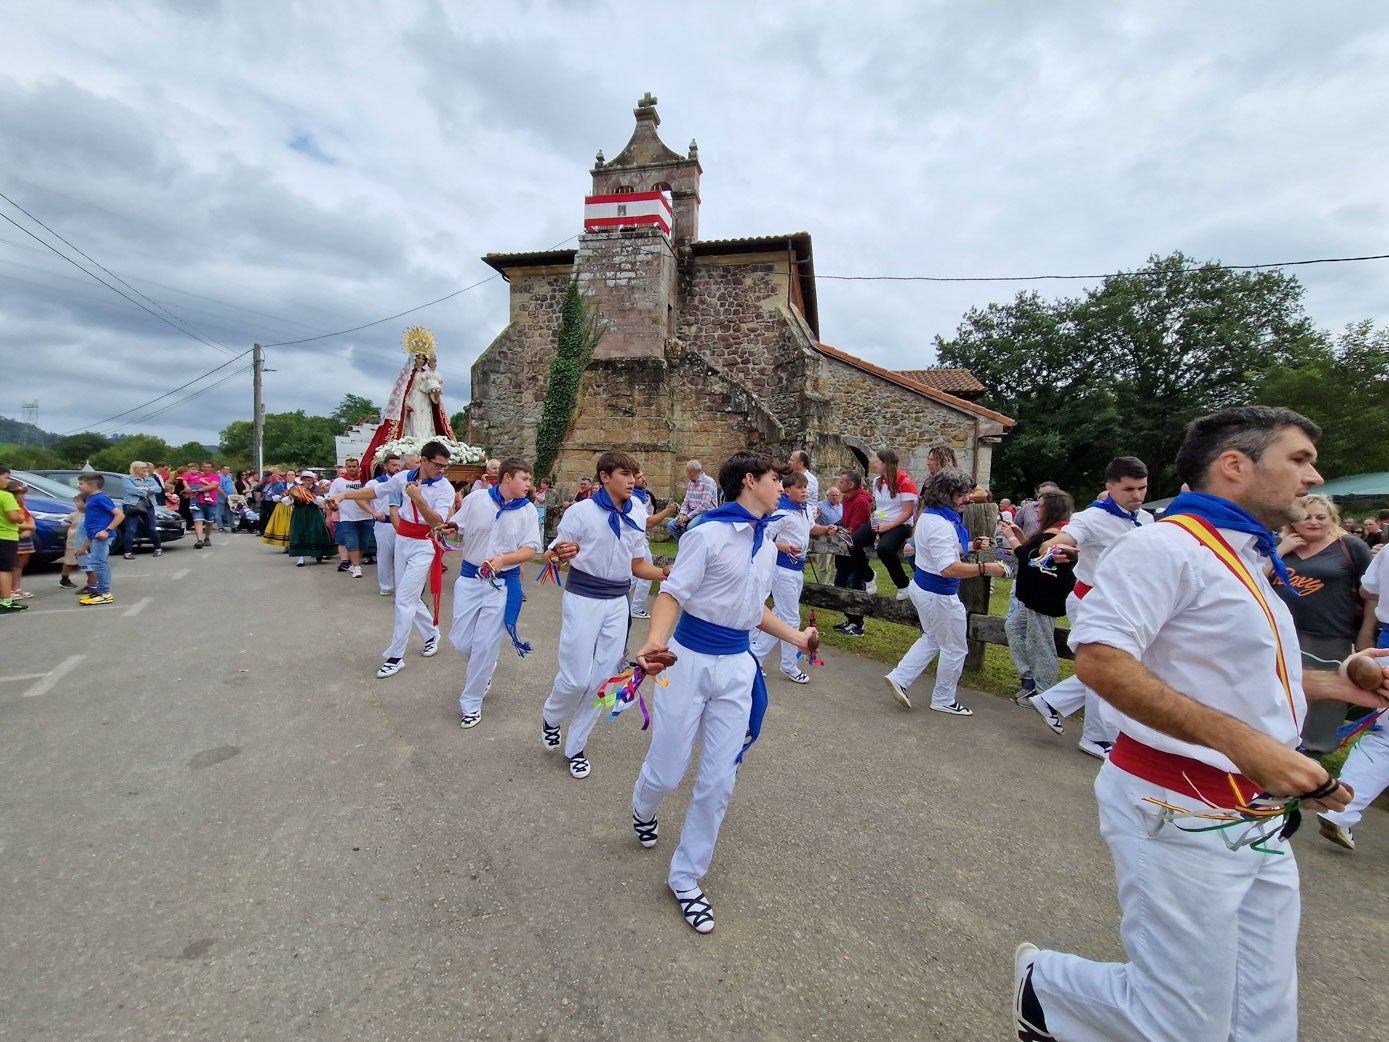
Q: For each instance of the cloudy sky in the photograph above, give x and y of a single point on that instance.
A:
(272, 171)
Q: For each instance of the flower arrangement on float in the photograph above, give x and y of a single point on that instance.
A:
(459, 452)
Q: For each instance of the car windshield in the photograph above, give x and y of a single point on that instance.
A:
(48, 486)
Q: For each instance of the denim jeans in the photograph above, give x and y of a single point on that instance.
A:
(137, 517)
(98, 562)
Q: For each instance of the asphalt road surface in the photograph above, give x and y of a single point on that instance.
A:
(217, 824)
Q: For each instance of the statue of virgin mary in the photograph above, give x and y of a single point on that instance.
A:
(415, 408)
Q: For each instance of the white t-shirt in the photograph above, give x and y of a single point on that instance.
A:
(381, 504)
(1169, 601)
(1375, 581)
(812, 485)
(887, 506)
(349, 509)
(791, 526)
(1094, 530)
(487, 535)
(937, 544)
(437, 494)
(716, 578)
(601, 553)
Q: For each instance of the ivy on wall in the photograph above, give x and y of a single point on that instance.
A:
(580, 329)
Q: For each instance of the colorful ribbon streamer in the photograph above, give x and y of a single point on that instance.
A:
(619, 692)
(550, 573)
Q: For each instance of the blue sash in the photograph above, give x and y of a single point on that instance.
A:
(784, 560)
(586, 584)
(930, 581)
(709, 638)
(514, 597)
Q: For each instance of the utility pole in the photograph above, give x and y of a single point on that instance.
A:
(257, 364)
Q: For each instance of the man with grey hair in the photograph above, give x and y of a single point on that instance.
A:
(494, 467)
(800, 463)
(701, 496)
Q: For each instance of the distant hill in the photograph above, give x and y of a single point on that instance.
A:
(15, 432)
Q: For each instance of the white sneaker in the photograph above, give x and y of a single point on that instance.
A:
(579, 765)
(389, 668)
(904, 594)
(1027, 1011)
(640, 613)
(387, 593)
(872, 586)
(898, 692)
(1099, 750)
(1050, 715)
(355, 571)
(954, 709)
(431, 647)
(469, 720)
(1338, 835)
(796, 678)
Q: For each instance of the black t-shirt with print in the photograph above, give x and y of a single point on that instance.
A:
(1329, 583)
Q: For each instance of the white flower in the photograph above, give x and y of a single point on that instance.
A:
(459, 452)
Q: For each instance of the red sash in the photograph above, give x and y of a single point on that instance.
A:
(411, 530)
(1081, 589)
(1181, 773)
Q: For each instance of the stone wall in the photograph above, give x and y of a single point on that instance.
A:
(629, 274)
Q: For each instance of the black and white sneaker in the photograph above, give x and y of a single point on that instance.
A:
(579, 765)
(468, 720)
(898, 692)
(1050, 715)
(696, 909)
(954, 709)
(431, 647)
(389, 668)
(1029, 1021)
(646, 831)
(641, 613)
(796, 676)
(549, 736)
(343, 566)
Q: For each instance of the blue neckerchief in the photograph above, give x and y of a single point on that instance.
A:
(414, 475)
(515, 595)
(787, 503)
(710, 638)
(616, 518)
(956, 521)
(504, 505)
(1111, 507)
(735, 512)
(643, 494)
(1224, 514)
(383, 476)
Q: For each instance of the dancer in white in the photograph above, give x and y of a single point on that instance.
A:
(384, 528)
(1088, 534)
(642, 515)
(500, 532)
(715, 693)
(1185, 637)
(603, 539)
(790, 530)
(426, 498)
(941, 543)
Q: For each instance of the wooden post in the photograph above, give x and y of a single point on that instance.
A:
(981, 519)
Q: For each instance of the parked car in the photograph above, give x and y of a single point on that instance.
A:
(170, 524)
(50, 502)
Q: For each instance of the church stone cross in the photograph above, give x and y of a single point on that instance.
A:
(646, 101)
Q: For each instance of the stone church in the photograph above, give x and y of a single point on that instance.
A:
(712, 346)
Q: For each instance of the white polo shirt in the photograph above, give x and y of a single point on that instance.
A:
(1094, 530)
(349, 509)
(601, 553)
(437, 494)
(487, 535)
(1167, 600)
(791, 526)
(715, 577)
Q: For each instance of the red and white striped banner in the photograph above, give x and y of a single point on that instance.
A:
(626, 210)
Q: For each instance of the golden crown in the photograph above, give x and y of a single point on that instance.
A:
(418, 341)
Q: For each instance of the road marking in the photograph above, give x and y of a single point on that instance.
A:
(179, 574)
(22, 676)
(136, 608)
(47, 683)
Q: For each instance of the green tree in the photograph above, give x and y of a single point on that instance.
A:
(189, 452)
(1121, 370)
(76, 449)
(459, 422)
(1344, 386)
(236, 440)
(30, 457)
(353, 409)
(293, 437)
(579, 332)
(122, 454)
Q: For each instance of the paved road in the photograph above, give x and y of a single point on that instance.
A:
(218, 825)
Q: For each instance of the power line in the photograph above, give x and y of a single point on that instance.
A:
(182, 401)
(186, 332)
(166, 394)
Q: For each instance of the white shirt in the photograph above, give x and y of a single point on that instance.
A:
(381, 504)
(601, 553)
(812, 485)
(487, 535)
(1167, 600)
(640, 511)
(1374, 581)
(715, 578)
(349, 509)
(437, 495)
(791, 526)
(1094, 530)
(887, 505)
(937, 544)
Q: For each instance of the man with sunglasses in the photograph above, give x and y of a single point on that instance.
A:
(1183, 635)
(426, 500)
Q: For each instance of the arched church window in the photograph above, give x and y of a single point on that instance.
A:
(624, 190)
(661, 186)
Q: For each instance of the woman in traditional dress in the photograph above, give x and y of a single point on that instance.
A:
(276, 502)
(308, 532)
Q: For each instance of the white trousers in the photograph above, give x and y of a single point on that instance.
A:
(1367, 772)
(592, 633)
(708, 698)
(1070, 696)
(786, 606)
(385, 555)
(412, 560)
(944, 630)
(479, 617)
(640, 590)
(1211, 936)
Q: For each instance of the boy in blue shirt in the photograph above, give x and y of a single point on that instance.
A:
(100, 522)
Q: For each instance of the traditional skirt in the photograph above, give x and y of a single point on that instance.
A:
(308, 533)
(277, 527)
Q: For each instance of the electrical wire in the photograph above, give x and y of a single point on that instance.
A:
(166, 394)
(182, 401)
